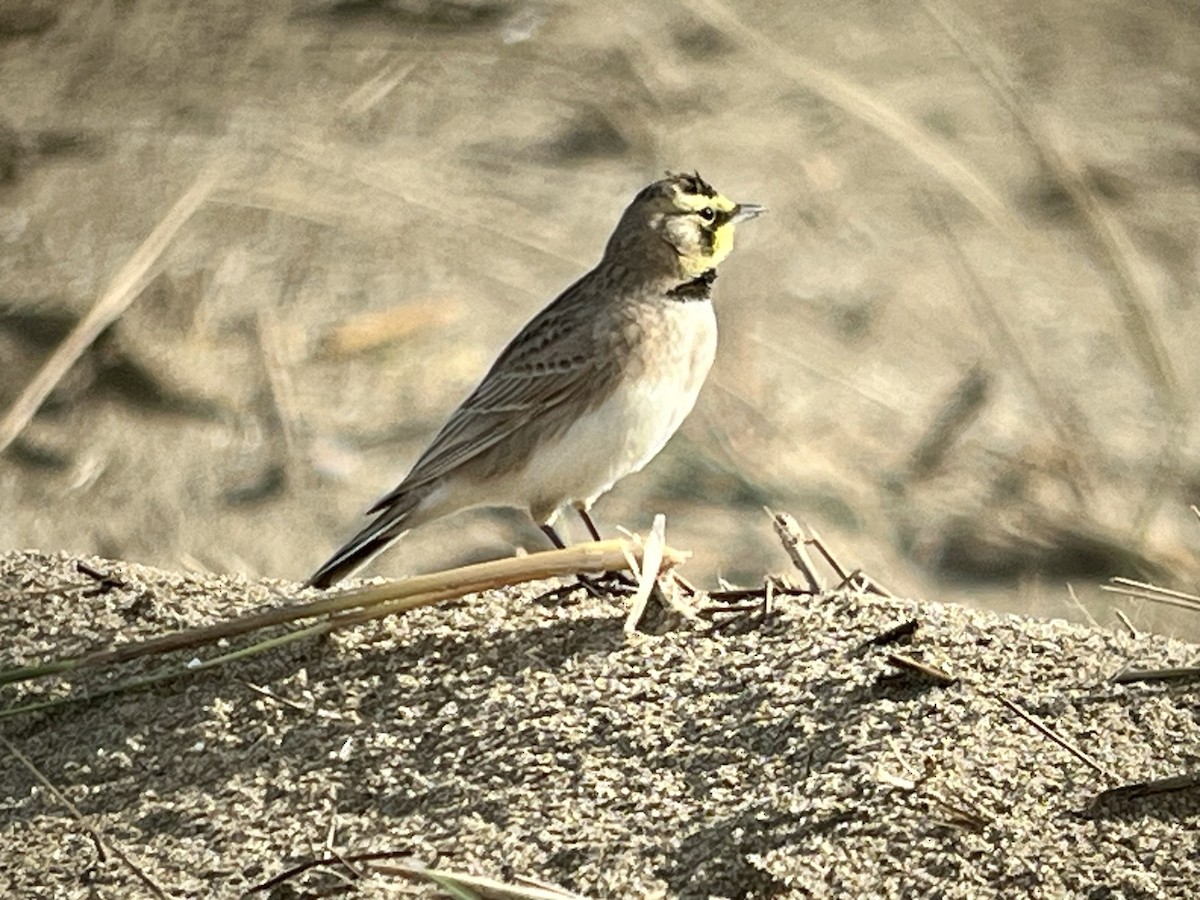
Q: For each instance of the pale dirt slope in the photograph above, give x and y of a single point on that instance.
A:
(517, 734)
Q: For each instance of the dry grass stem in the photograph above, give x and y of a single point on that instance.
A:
(1149, 788)
(356, 605)
(476, 885)
(925, 670)
(274, 698)
(1047, 731)
(458, 885)
(651, 565)
(1078, 604)
(861, 104)
(954, 416)
(320, 862)
(959, 813)
(814, 539)
(795, 545)
(372, 91)
(898, 632)
(103, 847)
(1112, 249)
(121, 292)
(1002, 337)
(1120, 614)
(1142, 590)
(872, 586)
(279, 382)
(1134, 294)
(1130, 676)
(409, 204)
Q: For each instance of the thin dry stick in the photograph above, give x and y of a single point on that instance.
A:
(1151, 596)
(279, 382)
(169, 674)
(1129, 676)
(1113, 249)
(102, 846)
(856, 101)
(376, 608)
(814, 539)
(926, 670)
(898, 632)
(380, 179)
(652, 559)
(1120, 581)
(122, 291)
(1047, 731)
(987, 312)
(1119, 255)
(275, 698)
(855, 581)
(953, 416)
(529, 880)
(1127, 587)
(1079, 605)
(476, 884)
(787, 529)
(1120, 614)
(960, 812)
(1149, 788)
(301, 868)
(872, 586)
(369, 94)
(602, 556)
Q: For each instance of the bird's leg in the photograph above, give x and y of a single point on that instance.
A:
(588, 523)
(614, 579)
(588, 584)
(548, 530)
(594, 586)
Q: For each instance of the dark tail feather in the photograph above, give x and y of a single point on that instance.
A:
(358, 551)
(345, 562)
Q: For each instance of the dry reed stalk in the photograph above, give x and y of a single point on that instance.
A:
(653, 554)
(1111, 248)
(104, 846)
(1142, 590)
(860, 103)
(355, 605)
(125, 287)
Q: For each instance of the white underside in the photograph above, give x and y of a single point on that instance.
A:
(614, 439)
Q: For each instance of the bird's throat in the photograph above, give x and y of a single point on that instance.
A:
(699, 288)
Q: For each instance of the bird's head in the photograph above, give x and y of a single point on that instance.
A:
(681, 224)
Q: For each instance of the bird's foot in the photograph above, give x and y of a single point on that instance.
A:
(608, 583)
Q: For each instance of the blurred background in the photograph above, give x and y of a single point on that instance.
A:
(962, 345)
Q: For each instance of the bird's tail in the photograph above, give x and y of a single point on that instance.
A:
(363, 547)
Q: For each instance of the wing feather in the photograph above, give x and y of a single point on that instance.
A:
(560, 364)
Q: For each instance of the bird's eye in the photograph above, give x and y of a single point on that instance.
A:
(707, 214)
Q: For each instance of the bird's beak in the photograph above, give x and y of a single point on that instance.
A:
(744, 211)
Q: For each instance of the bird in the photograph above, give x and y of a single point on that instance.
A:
(589, 391)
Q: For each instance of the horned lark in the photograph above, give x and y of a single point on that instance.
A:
(590, 390)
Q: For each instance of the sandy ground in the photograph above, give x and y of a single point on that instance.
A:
(961, 345)
(963, 350)
(521, 733)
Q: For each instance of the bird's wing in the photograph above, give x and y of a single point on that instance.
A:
(559, 365)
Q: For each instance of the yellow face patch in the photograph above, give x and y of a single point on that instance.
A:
(711, 217)
(722, 240)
